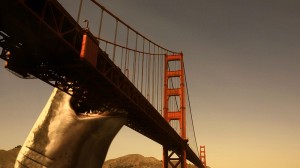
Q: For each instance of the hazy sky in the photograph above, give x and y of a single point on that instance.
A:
(242, 59)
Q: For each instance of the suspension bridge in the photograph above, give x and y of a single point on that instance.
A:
(104, 64)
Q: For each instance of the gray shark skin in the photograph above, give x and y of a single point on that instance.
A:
(62, 139)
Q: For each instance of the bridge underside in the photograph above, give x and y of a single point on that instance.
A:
(39, 38)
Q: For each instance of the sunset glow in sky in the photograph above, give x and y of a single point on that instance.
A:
(242, 59)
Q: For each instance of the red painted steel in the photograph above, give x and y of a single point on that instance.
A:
(203, 155)
(175, 115)
(89, 49)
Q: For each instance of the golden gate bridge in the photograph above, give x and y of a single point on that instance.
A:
(104, 65)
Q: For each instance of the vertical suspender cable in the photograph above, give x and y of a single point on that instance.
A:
(162, 80)
(157, 77)
(128, 61)
(153, 74)
(138, 70)
(115, 40)
(122, 57)
(149, 68)
(134, 64)
(138, 67)
(100, 25)
(146, 77)
(143, 65)
(126, 52)
(79, 11)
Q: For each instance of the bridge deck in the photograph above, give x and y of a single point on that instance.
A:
(45, 41)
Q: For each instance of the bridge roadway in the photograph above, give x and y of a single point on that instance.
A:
(45, 42)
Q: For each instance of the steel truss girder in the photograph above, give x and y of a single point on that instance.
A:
(52, 14)
(54, 40)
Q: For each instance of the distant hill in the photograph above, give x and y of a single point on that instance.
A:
(133, 160)
(7, 160)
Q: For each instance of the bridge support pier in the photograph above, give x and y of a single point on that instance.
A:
(64, 138)
(174, 159)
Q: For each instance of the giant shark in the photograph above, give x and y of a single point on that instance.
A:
(64, 138)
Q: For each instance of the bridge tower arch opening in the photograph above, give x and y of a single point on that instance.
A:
(175, 90)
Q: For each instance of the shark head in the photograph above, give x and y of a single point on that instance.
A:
(65, 137)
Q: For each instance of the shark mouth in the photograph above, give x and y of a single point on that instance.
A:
(64, 136)
(84, 112)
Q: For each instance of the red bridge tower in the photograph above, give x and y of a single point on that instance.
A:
(203, 155)
(171, 156)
